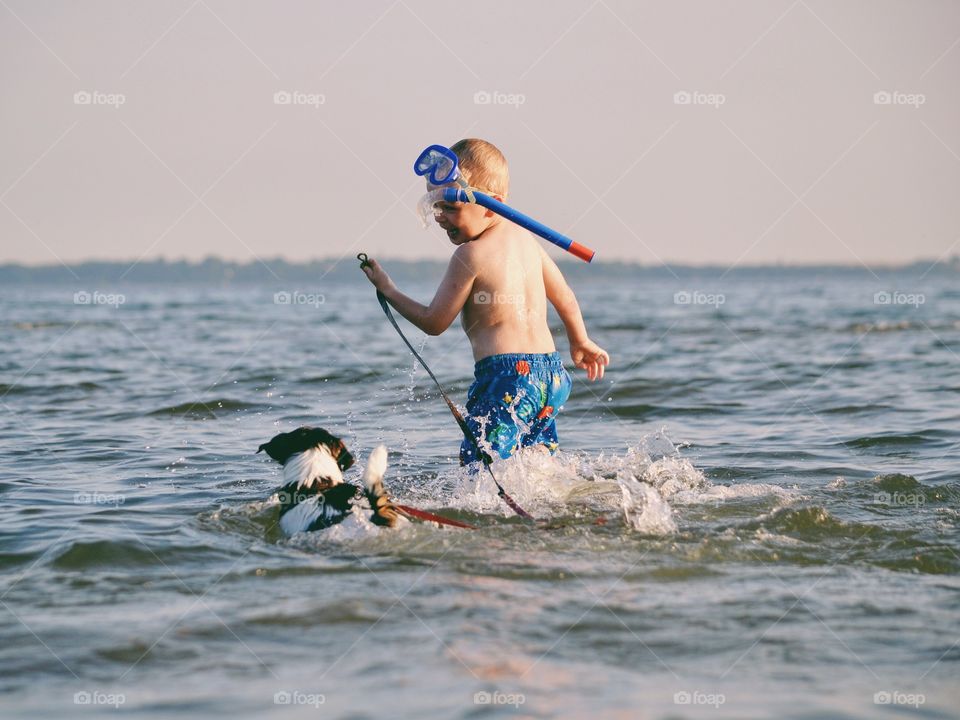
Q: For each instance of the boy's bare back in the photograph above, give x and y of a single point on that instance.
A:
(506, 309)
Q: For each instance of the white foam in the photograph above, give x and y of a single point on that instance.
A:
(646, 485)
(355, 526)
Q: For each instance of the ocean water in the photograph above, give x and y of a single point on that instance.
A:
(754, 514)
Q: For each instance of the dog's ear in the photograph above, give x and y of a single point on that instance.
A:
(339, 452)
(341, 455)
(282, 446)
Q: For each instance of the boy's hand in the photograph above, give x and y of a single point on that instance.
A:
(378, 276)
(589, 356)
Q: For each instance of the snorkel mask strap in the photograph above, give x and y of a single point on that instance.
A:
(471, 198)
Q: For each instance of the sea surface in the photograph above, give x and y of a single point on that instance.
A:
(753, 515)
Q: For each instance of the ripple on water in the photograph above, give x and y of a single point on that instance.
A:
(206, 409)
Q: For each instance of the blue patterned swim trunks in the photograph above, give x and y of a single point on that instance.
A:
(513, 403)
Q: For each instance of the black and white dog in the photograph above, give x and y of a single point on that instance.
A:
(314, 495)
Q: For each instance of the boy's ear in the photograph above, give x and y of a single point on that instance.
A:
(491, 213)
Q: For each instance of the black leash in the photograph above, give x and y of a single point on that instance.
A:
(468, 433)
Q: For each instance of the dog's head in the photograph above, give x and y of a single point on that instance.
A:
(285, 445)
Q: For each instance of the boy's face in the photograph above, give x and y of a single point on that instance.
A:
(463, 222)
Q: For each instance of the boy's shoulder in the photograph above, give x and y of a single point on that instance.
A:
(470, 254)
(496, 249)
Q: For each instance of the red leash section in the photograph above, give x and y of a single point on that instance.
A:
(430, 517)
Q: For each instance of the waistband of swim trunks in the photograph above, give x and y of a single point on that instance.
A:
(508, 361)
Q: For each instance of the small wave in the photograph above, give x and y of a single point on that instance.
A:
(896, 482)
(344, 375)
(892, 439)
(854, 409)
(257, 519)
(333, 613)
(790, 533)
(206, 409)
(111, 554)
(881, 326)
(48, 390)
(28, 325)
(884, 326)
(624, 326)
(665, 411)
(898, 489)
(40, 325)
(807, 523)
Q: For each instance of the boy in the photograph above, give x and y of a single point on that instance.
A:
(501, 278)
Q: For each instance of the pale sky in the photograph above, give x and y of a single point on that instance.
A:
(783, 154)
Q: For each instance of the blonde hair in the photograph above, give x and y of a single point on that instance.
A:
(483, 166)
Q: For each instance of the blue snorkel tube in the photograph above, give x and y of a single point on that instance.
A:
(439, 165)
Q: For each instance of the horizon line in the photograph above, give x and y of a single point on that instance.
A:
(945, 261)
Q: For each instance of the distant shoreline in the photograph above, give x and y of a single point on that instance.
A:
(217, 271)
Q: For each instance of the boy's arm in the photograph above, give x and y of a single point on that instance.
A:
(449, 299)
(585, 353)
